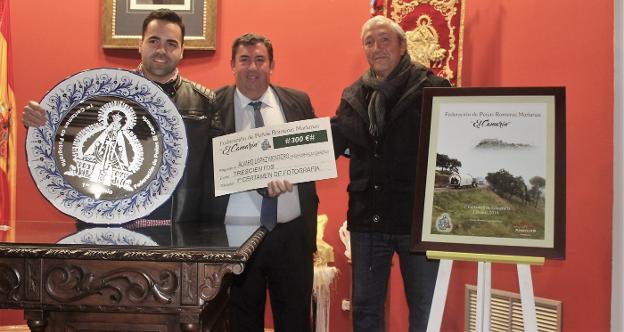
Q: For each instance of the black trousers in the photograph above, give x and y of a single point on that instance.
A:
(282, 264)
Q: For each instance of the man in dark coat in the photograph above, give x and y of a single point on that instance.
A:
(377, 127)
(283, 262)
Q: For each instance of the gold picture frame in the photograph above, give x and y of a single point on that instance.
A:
(122, 22)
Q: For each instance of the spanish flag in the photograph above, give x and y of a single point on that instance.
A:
(8, 130)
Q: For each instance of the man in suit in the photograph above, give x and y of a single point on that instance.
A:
(283, 262)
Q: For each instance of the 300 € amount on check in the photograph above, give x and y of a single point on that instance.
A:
(298, 151)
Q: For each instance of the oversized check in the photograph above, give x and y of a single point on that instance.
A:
(297, 151)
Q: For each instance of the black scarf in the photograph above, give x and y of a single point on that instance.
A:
(384, 90)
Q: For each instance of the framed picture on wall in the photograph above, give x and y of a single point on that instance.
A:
(491, 176)
(122, 21)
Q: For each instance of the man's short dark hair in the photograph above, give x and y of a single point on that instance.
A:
(251, 39)
(164, 15)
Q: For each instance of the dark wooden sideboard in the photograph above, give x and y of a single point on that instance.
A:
(162, 278)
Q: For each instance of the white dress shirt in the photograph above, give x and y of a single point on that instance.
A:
(244, 207)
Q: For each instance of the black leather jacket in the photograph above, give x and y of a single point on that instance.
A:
(196, 104)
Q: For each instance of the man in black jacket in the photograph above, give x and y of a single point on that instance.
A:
(377, 127)
(161, 49)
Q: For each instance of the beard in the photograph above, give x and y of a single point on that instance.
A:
(159, 69)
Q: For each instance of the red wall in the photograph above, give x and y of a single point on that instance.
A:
(317, 49)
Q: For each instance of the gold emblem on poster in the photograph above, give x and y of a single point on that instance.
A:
(423, 44)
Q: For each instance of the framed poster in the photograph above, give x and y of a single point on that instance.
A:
(122, 21)
(491, 178)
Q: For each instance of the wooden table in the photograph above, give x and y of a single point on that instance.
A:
(179, 285)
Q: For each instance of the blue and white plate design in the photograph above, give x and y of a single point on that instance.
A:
(113, 150)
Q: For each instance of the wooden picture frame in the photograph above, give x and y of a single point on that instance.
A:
(491, 173)
(122, 22)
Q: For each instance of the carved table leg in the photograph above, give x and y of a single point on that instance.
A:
(189, 327)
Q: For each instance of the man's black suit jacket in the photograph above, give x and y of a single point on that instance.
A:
(296, 106)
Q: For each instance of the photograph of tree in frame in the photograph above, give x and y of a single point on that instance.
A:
(490, 177)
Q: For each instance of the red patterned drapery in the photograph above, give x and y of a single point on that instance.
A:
(434, 31)
(8, 130)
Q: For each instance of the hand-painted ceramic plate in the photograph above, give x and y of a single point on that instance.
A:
(103, 236)
(113, 150)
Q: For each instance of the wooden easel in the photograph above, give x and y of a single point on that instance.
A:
(484, 278)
